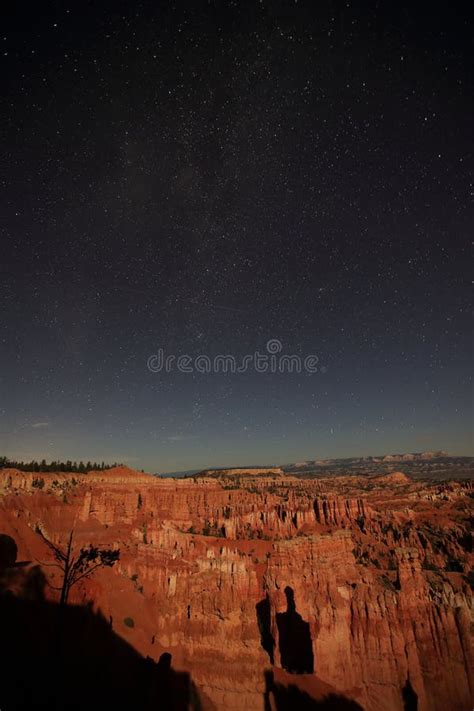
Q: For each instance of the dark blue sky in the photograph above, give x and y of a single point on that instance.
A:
(204, 177)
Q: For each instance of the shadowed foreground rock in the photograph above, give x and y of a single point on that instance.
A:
(69, 658)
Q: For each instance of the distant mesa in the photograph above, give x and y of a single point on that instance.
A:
(229, 473)
(383, 458)
(414, 456)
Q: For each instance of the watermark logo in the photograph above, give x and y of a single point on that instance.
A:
(271, 361)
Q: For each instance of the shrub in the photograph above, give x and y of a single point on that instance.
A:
(454, 566)
(128, 622)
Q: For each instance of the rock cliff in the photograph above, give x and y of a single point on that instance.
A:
(356, 587)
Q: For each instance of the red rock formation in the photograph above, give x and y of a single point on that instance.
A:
(357, 584)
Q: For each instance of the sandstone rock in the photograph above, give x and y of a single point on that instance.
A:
(346, 586)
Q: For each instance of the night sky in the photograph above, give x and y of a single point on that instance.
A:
(205, 176)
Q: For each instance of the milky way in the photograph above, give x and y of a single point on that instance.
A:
(204, 177)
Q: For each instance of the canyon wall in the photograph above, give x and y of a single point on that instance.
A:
(352, 587)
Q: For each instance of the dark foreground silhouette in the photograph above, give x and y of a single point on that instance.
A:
(296, 648)
(295, 644)
(68, 657)
(290, 698)
(410, 698)
(264, 620)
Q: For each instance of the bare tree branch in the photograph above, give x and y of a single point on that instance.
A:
(77, 566)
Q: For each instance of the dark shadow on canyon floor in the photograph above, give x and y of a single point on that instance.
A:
(410, 697)
(264, 619)
(290, 698)
(69, 658)
(296, 648)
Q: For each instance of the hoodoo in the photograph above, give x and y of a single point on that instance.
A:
(257, 583)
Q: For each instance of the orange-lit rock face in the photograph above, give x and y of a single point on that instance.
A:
(347, 585)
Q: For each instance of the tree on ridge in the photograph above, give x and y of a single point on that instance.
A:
(76, 566)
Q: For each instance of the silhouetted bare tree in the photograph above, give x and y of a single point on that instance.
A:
(76, 566)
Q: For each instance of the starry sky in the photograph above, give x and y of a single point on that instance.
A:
(202, 177)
